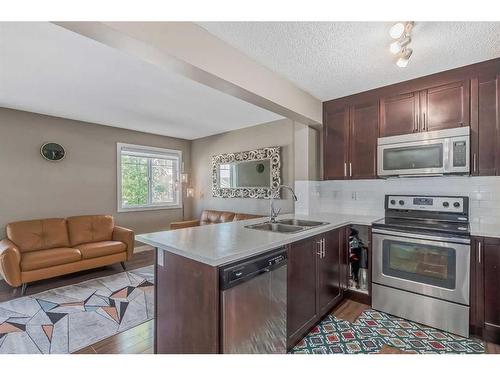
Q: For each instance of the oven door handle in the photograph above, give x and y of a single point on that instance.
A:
(421, 236)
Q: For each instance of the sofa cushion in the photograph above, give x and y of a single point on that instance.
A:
(238, 217)
(100, 249)
(91, 228)
(42, 234)
(215, 217)
(35, 260)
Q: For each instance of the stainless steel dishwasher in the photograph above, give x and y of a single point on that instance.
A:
(253, 304)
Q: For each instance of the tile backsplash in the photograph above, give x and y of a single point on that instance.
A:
(366, 197)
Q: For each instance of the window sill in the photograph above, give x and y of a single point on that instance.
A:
(149, 208)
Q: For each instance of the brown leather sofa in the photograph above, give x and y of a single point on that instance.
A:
(213, 217)
(41, 249)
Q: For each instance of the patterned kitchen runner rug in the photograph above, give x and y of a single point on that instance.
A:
(373, 330)
(69, 318)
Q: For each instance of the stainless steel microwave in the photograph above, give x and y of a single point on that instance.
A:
(434, 153)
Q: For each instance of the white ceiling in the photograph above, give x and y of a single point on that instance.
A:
(47, 69)
(335, 59)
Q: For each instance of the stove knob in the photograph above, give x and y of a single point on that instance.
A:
(456, 204)
(393, 201)
(401, 202)
(446, 204)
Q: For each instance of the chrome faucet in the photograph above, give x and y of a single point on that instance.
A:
(273, 213)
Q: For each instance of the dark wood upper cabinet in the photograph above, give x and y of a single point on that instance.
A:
(445, 107)
(485, 126)
(336, 145)
(485, 297)
(435, 108)
(301, 288)
(399, 114)
(466, 96)
(350, 148)
(330, 272)
(363, 134)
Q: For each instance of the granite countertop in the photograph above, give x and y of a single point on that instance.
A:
(219, 244)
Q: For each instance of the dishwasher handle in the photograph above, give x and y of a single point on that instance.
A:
(240, 272)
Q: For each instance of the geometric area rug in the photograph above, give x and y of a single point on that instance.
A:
(66, 319)
(373, 330)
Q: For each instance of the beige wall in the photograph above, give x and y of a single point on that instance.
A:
(307, 156)
(83, 183)
(276, 133)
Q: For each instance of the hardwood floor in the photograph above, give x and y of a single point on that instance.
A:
(492, 348)
(349, 310)
(138, 260)
(139, 340)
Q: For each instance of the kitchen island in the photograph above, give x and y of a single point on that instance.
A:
(187, 294)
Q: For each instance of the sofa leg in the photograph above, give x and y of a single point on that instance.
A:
(23, 288)
(123, 266)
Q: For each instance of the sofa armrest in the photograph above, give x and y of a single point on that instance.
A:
(184, 224)
(10, 263)
(127, 237)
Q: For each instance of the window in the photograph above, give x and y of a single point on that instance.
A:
(148, 178)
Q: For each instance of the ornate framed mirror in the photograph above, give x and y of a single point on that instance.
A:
(247, 174)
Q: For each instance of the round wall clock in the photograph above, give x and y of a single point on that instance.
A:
(52, 151)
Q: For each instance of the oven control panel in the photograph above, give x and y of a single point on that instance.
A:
(426, 203)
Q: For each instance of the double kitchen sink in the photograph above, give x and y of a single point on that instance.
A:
(287, 225)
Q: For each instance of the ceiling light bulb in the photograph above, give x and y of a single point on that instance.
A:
(395, 47)
(397, 30)
(402, 62)
(405, 58)
(398, 45)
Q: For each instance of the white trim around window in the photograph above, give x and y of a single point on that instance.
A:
(150, 155)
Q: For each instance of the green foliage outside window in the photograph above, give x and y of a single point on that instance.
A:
(134, 181)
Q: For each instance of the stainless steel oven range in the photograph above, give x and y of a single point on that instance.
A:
(421, 261)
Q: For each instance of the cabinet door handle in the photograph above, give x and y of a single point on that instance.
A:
(474, 162)
(319, 252)
(345, 169)
(324, 247)
(350, 169)
(425, 122)
(479, 251)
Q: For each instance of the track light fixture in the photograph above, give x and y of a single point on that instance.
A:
(401, 32)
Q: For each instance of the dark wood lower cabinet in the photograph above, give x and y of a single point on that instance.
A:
(331, 266)
(186, 306)
(315, 281)
(485, 290)
(301, 288)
